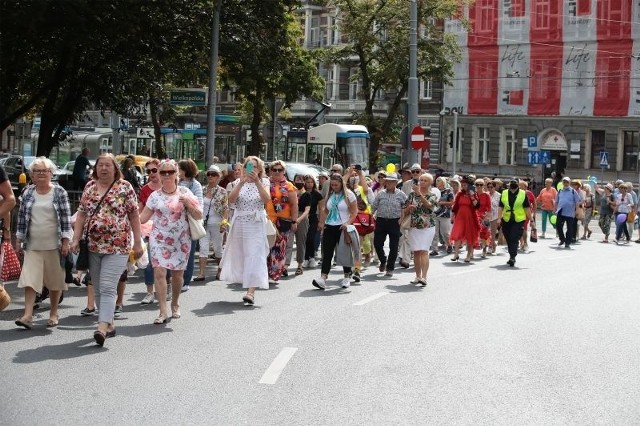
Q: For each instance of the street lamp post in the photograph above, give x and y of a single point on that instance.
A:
(213, 79)
(412, 96)
(455, 143)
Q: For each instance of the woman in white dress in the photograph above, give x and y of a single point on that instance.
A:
(170, 236)
(245, 256)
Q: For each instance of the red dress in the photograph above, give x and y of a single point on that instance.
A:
(483, 208)
(465, 222)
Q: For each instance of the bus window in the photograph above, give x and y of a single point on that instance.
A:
(300, 157)
(327, 157)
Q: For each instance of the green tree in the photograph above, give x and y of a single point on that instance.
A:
(378, 34)
(63, 56)
(261, 55)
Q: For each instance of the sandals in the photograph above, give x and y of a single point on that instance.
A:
(53, 322)
(162, 318)
(27, 324)
(99, 337)
(299, 271)
(199, 278)
(175, 311)
(248, 299)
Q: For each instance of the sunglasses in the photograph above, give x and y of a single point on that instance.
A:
(479, 184)
(416, 171)
(154, 170)
(212, 174)
(335, 171)
(277, 170)
(167, 172)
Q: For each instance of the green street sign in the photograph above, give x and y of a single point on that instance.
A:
(193, 97)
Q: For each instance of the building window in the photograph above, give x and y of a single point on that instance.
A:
(541, 11)
(426, 90)
(486, 12)
(354, 83)
(597, 146)
(460, 145)
(630, 148)
(330, 83)
(509, 147)
(481, 145)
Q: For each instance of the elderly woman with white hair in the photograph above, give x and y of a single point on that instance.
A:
(420, 205)
(43, 232)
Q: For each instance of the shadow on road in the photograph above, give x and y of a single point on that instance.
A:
(404, 288)
(330, 291)
(222, 308)
(57, 352)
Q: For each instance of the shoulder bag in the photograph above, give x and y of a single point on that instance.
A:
(82, 263)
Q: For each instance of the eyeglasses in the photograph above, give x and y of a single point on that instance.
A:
(335, 171)
(277, 170)
(212, 174)
(167, 172)
(149, 171)
(40, 171)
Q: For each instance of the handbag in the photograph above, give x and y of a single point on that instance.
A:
(82, 262)
(196, 228)
(271, 233)
(406, 222)
(631, 217)
(364, 223)
(580, 213)
(284, 225)
(534, 236)
(5, 298)
(10, 263)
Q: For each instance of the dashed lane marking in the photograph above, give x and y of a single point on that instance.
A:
(270, 377)
(371, 298)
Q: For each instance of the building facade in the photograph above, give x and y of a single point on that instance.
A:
(546, 80)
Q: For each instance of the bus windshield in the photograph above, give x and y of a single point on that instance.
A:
(353, 149)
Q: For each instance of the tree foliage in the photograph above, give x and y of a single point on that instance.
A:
(261, 56)
(62, 56)
(378, 34)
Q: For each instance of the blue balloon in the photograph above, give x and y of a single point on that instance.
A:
(621, 218)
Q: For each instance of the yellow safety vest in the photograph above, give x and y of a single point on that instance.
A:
(517, 208)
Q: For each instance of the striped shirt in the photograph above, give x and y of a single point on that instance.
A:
(388, 205)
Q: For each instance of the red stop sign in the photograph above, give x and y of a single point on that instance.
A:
(417, 138)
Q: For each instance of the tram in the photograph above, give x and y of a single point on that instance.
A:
(328, 144)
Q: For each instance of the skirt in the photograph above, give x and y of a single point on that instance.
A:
(42, 268)
(244, 259)
(421, 239)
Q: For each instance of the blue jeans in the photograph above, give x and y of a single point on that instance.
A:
(188, 273)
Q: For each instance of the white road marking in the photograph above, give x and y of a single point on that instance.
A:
(270, 377)
(466, 271)
(371, 298)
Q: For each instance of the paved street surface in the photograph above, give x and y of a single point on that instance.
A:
(555, 340)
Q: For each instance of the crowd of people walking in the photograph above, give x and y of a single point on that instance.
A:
(254, 212)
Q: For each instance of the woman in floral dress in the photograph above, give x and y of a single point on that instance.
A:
(170, 236)
(107, 215)
(421, 204)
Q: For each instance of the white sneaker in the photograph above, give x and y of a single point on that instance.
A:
(319, 283)
(305, 264)
(346, 282)
(416, 280)
(313, 263)
(148, 299)
(388, 274)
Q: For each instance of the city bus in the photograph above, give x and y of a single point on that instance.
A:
(329, 144)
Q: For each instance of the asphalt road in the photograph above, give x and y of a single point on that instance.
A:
(554, 340)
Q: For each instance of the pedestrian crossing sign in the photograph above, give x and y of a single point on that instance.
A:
(604, 159)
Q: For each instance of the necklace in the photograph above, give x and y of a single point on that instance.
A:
(170, 193)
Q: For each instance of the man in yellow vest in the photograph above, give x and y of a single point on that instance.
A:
(514, 210)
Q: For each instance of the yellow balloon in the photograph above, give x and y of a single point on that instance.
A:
(391, 168)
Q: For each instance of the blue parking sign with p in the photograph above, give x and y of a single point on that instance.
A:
(532, 142)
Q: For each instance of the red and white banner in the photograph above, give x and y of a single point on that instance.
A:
(548, 57)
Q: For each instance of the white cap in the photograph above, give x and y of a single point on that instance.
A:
(213, 168)
(416, 166)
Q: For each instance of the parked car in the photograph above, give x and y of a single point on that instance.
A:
(15, 165)
(62, 175)
(303, 169)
